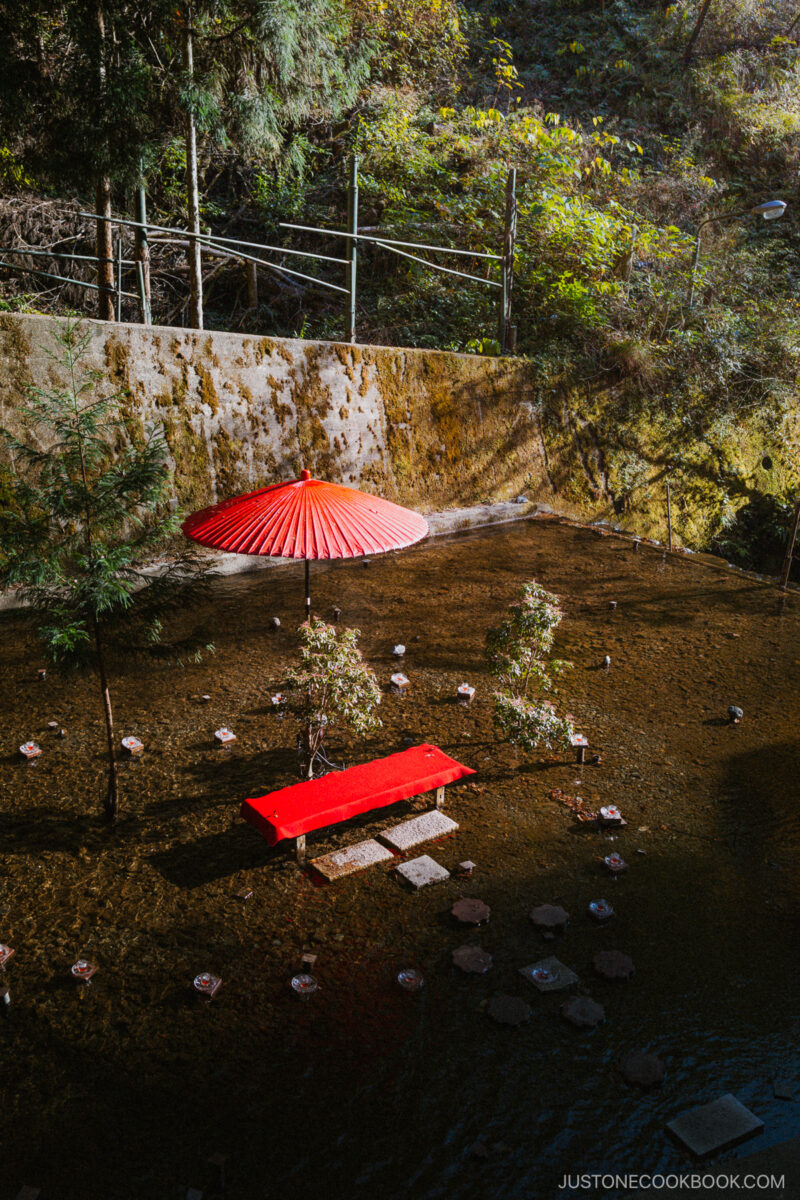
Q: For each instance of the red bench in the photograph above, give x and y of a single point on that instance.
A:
(292, 812)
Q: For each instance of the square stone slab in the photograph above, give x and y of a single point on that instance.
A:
(429, 825)
(423, 870)
(715, 1126)
(351, 859)
(562, 976)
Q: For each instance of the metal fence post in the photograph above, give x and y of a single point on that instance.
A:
(507, 267)
(119, 278)
(352, 249)
(143, 304)
(142, 251)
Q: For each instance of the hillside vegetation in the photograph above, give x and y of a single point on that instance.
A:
(628, 123)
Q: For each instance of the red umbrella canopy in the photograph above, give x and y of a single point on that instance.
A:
(306, 518)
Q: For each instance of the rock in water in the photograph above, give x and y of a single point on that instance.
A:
(644, 1070)
(582, 1012)
(613, 964)
(549, 917)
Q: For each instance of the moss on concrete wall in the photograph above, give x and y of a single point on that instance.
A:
(429, 429)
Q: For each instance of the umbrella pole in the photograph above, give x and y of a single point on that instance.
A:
(308, 594)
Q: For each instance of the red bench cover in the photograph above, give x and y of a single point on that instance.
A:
(295, 810)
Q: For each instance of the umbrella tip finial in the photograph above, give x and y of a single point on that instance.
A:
(304, 474)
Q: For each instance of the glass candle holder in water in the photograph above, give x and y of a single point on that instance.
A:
(410, 979)
(304, 985)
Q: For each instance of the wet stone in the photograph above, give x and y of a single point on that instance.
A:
(351, 859)
(550, 917)
(470, 911)
(472, 960)
(715, 1126)
(419, 872)
(783, 1089)
(644, 1070)
(508, 1010)
(424, 828)
(549, 975)
(613, 964)
(582, 1012)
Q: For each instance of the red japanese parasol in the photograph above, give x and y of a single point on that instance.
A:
(306, 518)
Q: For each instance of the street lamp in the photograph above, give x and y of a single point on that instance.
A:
(770, 210)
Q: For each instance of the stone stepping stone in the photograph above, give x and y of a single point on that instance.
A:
(550, 917)
(423, 870)
(645, 1070)
(471, 912)
(715, 1126)
(582, 1012)
(549, 975)
(351, 859)
(783, 1089)
(509, 1010)
(424, 828)
(613, 964)
(472, 960)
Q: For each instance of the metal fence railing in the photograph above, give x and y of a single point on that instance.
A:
(252, 254)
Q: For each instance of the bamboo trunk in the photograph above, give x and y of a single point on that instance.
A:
(104, 249)
(103, 240)
(192, 191)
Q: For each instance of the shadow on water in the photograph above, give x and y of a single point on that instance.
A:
(760, 804)
(215, 856)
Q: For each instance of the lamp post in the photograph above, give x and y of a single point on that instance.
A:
(770, 210)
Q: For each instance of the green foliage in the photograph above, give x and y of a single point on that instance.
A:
(531, 725)
(332, 686)
(517, 653)
(417, 40)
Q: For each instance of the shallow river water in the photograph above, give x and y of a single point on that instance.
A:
(125, 1088)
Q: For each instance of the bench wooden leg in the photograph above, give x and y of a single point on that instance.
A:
(300, 848)
(440, 797)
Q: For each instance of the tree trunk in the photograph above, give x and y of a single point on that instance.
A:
(104, 249)
(103, 241)
(111, 803)
(698, 25)
(192, 192)
(252, 286)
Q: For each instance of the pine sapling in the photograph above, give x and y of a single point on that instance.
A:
(88, 505)
(517, 652)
